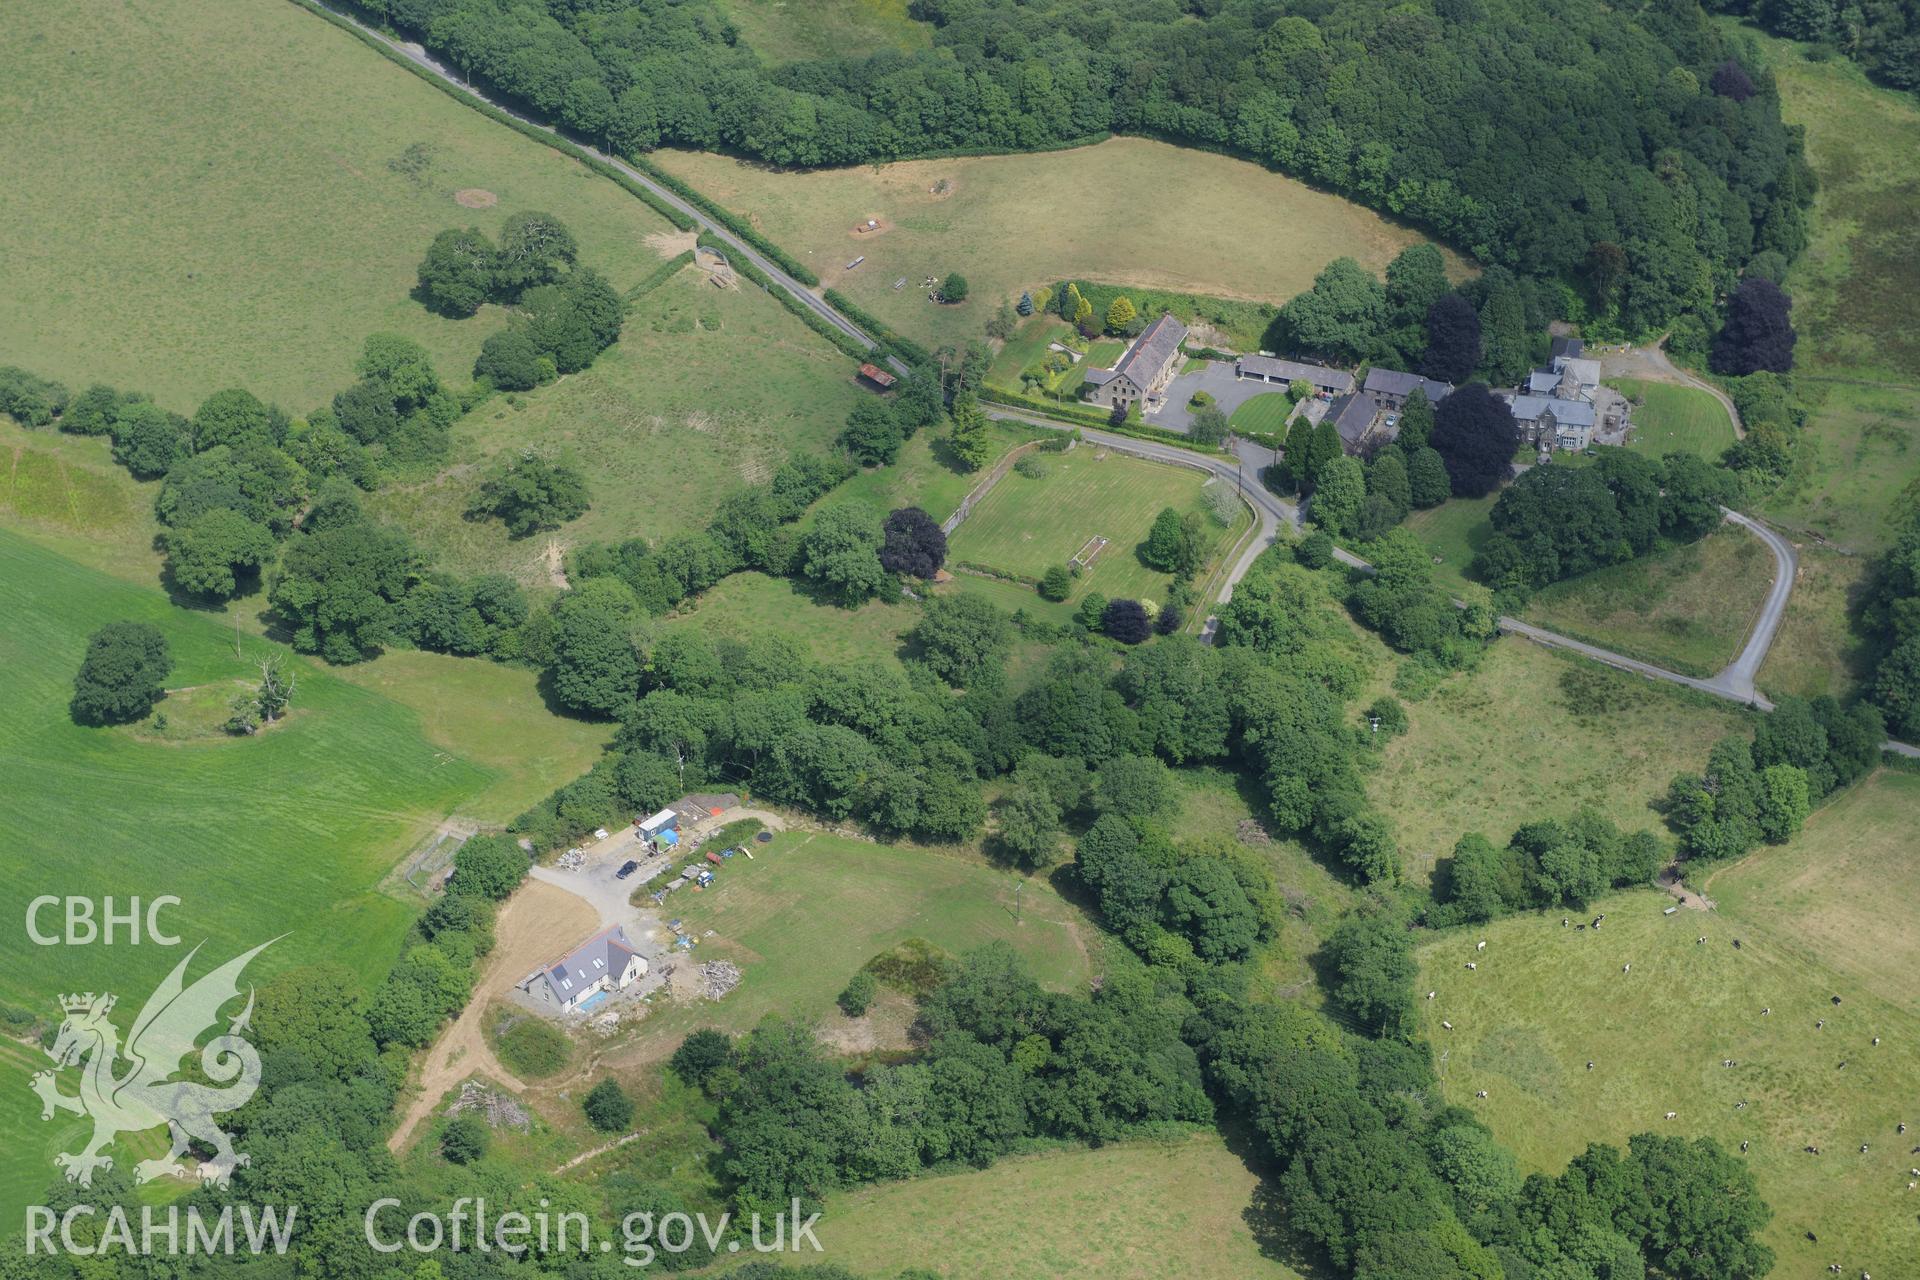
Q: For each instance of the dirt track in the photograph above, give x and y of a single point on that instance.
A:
(525, 936)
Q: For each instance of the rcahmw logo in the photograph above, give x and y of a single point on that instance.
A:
(129, 1089)
(163, 1231)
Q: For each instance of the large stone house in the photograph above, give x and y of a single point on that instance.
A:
(605, 962)
(1560, 407)
(1140, 375)
(1358, 420)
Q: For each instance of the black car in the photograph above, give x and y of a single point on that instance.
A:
(626, 870)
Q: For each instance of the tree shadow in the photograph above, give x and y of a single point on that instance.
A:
(1265, 1214)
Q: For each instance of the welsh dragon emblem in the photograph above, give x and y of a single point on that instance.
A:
(141, 1091)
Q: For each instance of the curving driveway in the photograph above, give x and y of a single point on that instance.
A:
(1735, 682)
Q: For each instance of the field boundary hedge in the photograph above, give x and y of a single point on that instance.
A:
(731, 221)
(847, 344)
(1098, 421)
(906, 348)
(663, 273)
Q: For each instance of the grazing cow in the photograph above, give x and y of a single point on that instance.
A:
(1736, 944)
(1589, 1066)
(1626, 968)
(1902, 1127)
(1473, 966)
(1672, 1114)
(1863, 1148)
(1480, 946)
(1876, 1042)
(1764, 1012)
(1702, 938)
(1432, 994)
(1744, 1144)
(1819, 1023)
(1445, 1024)
(1481, 1094)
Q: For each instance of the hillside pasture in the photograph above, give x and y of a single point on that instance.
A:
(1668, 418)
(1236, 231)
(707, 391)
(1687, 608)
(1856, 294)
(1530, 733)
(1130, 1211)
(1546, 1000)
(286, 833)
(229, 192)
(1026, 526)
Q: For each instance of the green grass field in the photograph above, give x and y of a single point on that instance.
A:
(1828, 914)
(1026, 526)
(69, 494)
(1454, 531)
(285, 833)
(750, 603)
(1266, 413)
(1817, 649)
(1687, 608)
(1132, 1211)
(1668, 418)
(707, 390)
(808, 30)
(811, 908)
(220, 192)
(1856, 297)
(925, 475)
(1000, 223)
(1501, 745)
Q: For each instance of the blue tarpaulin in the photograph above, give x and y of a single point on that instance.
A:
(669, 837)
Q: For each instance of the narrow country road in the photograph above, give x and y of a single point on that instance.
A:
(1654, 364)
(1735, 683)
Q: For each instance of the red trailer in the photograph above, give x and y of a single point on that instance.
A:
(714, 858)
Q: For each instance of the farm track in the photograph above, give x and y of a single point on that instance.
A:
(1735, 683)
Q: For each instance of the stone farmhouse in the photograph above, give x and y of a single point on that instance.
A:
(1140, 375)
(605, 962)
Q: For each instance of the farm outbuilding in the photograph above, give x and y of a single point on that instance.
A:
(877, 376)
(665, 820)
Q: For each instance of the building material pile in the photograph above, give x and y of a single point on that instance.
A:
(498, 1110)
(722, 976)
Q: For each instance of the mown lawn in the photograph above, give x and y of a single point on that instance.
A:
(1824, 917)
(1000, 222)
(708, 390)
(221, 191)
(1687, 608)
(1026, 526)
(1668, 418)
(1518, 738)
(285, 833)
(1265, 413)
(1132, 1211)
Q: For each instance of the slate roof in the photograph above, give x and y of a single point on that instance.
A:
(1151, 349)
(606, 952)
(1292, 370)
(1100, 377)
(1352, 416)
(1392, 382)
(1566, 347)
(1568, 413)
(1542, 381)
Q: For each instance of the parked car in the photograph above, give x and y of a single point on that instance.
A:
(627, 868)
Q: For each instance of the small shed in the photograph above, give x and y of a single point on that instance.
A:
(877, 376)
(665, 820)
